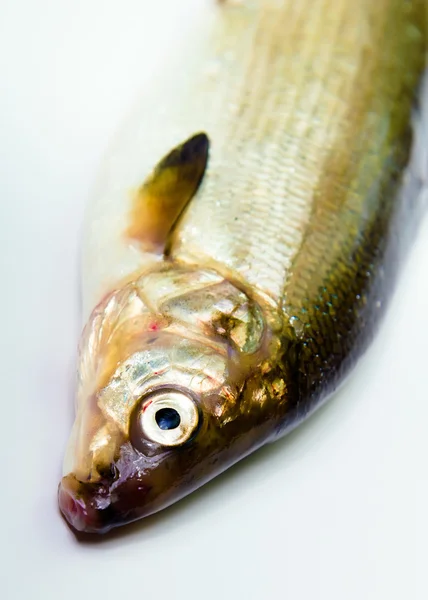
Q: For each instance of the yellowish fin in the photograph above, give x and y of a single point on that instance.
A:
(164, 195)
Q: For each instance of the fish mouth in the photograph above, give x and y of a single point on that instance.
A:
(81, 507)
(90, 507)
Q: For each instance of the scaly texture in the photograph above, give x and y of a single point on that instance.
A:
(240, 315)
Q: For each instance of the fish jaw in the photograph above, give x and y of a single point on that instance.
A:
(146, 478)
(142, 485)
(115, 500)
(174, 341)
(83, 511)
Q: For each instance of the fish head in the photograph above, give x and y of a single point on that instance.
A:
(171, 393)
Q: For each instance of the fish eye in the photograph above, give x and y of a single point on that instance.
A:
(169, 418)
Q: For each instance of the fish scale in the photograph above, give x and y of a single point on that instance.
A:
(286, 210)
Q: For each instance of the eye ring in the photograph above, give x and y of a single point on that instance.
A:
(170, 418)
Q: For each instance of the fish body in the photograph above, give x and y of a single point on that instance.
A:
(231, 285)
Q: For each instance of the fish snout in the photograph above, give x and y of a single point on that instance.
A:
(98, 507)
(86, 506)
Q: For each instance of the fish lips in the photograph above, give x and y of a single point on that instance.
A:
(98, 507)
(136, 487)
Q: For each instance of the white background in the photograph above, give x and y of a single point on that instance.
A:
(338, 510)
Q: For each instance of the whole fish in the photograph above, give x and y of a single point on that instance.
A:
(230, 286)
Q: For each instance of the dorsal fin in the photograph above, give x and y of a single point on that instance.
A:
(166, 192)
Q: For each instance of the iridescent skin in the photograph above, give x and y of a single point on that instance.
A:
(255, 294)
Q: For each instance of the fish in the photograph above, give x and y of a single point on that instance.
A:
(242, 243)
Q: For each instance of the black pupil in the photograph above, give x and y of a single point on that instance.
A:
(167, 418)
